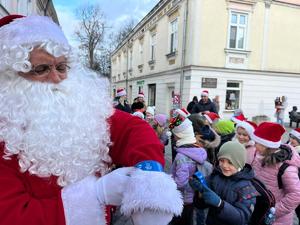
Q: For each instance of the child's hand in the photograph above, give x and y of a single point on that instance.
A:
(210, 197)
(196, 184)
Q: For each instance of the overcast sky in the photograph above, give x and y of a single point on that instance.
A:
(116, 12)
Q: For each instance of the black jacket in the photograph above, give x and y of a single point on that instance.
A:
(201, 107)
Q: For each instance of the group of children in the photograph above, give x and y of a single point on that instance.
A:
(239, 152)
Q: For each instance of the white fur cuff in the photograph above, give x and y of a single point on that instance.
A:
(156, 191)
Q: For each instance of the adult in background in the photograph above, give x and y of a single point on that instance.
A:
(122, 101)
(216, 101)
(205, 104)
(60, 138)
(280, 110)
(191, 104)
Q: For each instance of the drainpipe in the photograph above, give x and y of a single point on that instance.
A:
(185, 23)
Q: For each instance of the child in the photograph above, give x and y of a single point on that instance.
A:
(229, 193)
(270, 155)
(160, 127)
(295, 139)
(184, 165)
(244, 134)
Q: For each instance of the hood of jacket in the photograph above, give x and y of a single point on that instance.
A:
(195, 153)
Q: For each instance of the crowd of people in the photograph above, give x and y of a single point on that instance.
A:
(230, 153)
(69, 154)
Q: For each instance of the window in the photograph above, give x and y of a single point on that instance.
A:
(173, 36)
(130, 59)
(233, 95)
(151, 94)
(238, 30)
(152, 46)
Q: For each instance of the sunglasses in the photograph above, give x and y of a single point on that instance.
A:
(45, 69)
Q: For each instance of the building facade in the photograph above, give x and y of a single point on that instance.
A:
(245, 51)
(28, 7)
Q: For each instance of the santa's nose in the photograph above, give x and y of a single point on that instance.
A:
(55, 77)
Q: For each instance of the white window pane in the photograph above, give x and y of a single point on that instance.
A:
(241, 37)
(234, 18)
(233, 30)
(242, 19)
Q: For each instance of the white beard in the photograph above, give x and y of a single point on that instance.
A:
(56, 129)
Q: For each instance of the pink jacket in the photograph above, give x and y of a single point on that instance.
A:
(288, 198)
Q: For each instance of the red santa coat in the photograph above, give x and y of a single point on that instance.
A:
(28, 199)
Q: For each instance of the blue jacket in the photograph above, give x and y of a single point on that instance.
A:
(238, 195)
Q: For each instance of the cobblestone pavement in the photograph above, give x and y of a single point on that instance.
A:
(118, 219)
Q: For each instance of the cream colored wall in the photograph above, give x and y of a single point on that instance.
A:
(284, 46)
(211, 24)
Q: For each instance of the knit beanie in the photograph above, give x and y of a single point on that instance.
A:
(183, 129)
(161, 119)
(234, 152)
(224, 127)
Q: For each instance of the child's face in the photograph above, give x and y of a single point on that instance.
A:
(242, 135)
(227, 168)
(261, 149)
(294, 142)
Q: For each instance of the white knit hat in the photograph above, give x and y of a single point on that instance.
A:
(249, 126)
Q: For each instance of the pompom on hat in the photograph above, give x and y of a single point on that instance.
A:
(211, 117)
(204, 93)
(18, 30)
(269, 134)
(249, 126)
(121, 92)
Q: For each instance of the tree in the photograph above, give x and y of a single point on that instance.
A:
(91, 36)
(118, 36)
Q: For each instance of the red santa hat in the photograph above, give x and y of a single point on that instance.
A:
(268, 134)
(296, 133)
(18, 30)
(121, 92)
(141, 95)
(211, 117)
(182, 112)
(238, 118)
(204, 93)
(249, 126)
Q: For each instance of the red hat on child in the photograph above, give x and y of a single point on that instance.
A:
(211, 117)
(183, 112)
(249, 126)
(296, 133)
(238, 118)
(121, 92)
(268, 134)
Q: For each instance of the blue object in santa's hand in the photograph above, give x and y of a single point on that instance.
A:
(149, 165)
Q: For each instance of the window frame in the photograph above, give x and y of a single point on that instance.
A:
(151, 94)
(239, 27)
(152, 46)
(173, 36)
(238, 102)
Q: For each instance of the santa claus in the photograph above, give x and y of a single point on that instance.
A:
(60, 138)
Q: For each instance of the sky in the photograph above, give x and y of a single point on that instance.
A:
(116, 12)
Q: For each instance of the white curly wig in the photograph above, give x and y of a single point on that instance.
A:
(54, 129)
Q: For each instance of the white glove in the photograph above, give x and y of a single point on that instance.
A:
(110, 188)
(150, 217)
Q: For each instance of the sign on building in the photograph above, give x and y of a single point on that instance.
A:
(209, 82)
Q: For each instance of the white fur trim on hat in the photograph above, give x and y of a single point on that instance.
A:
(121, 93)
(141, 95)
(139, 114)
(183, 112)
(248, 127)
(32, 29)
(208, 118)
(266, 143)
(204, 93)
(184, 125)
(151, 190)
(295, 133)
